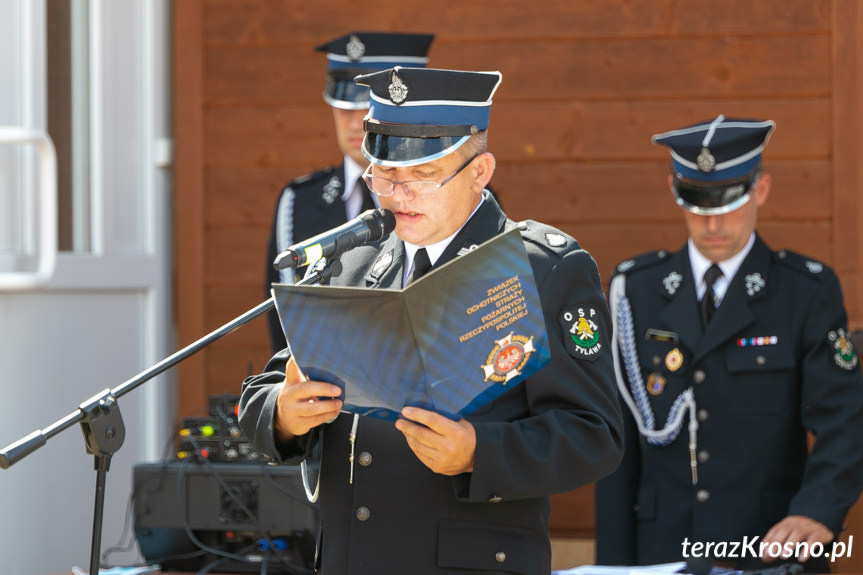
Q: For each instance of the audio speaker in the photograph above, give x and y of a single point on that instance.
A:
(227, 517)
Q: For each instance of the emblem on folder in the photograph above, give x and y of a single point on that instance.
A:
(507, 358)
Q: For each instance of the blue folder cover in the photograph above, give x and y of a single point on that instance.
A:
(453, 340)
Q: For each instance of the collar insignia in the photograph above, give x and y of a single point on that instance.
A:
(466, 249)
(754, 283)
(815, 267)
(398, 89)
(332, 189)
(672, 282)
(355, 48)
(381, 264)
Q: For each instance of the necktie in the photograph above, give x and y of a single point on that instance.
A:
(708, 302)
(422, 264)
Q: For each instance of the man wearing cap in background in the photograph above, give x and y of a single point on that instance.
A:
(317, 202)
(427, 494)
(727, 354)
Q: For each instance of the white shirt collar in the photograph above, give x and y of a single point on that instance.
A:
(435, 250)
(350, 196)
(729, 268)
(353, 171)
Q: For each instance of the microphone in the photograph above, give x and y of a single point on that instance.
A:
(369, 226)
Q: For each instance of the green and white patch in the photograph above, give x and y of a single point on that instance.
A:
(844, 354)
(582, 332)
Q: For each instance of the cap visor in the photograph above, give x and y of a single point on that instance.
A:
(712, 200)
(397, 151)
(344, 94)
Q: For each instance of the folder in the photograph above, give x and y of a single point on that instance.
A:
(452, 341)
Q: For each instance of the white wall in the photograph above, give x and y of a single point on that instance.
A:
(106, 315)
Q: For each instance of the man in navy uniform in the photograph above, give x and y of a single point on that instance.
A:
(727, 354)
(315, 203)
(428, 494)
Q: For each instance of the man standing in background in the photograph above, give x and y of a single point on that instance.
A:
(327, 198)
(728, 354)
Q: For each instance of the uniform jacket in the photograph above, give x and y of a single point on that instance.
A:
(755, 400)
(556, 431)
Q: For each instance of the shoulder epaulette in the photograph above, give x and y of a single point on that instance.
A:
(803, 264)
(547, 237)
(640, 262)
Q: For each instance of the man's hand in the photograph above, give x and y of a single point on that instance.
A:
(443, 445)
(303, 404)
(795, 529)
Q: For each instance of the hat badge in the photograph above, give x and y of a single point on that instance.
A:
(355, 48)
(706, 162)
(398, 89)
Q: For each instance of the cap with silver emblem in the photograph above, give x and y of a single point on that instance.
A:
(365, 52)
(417, 115)
(716, 163)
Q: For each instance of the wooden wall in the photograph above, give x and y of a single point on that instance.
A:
(585, 85)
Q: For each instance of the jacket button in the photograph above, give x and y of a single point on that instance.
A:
(363, 513)
(702, 495)
(365, 459)
(703, 456)
(500, 556)
(699, 376)
(703, 415)
(760, 360)
(495, 499)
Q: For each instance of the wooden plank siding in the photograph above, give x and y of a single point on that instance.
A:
(585, 85)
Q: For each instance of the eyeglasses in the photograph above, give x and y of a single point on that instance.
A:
(386, 187)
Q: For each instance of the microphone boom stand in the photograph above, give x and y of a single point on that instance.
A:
(102, 424)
